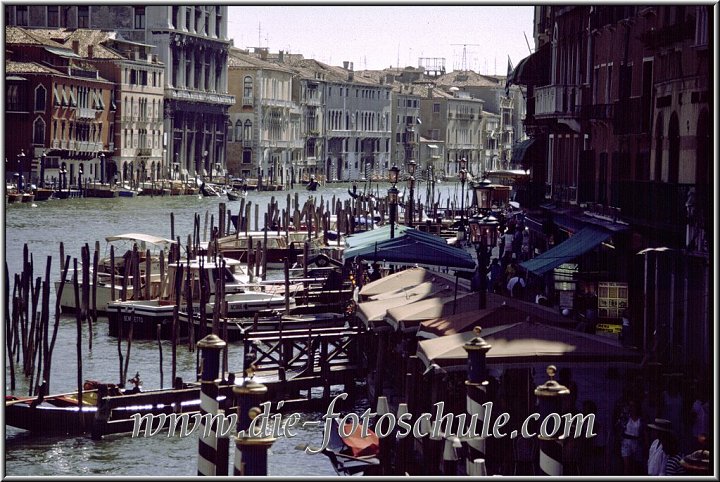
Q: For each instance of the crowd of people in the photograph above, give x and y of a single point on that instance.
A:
(653, 430)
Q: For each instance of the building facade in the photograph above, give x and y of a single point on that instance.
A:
(624, 115)
(192, 43)
(267, 142)
(62, 108)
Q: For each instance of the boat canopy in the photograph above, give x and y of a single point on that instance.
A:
(146, 238)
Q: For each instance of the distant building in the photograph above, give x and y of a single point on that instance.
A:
(191, 41)
(265, 142)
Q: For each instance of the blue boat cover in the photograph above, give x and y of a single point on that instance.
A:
(580, 243)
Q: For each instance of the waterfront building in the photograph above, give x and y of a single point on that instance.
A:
(136, 137)
(456, 119)
(618, 99)
(191, 41)
(406, 124)
(61, 108)
(264, 128)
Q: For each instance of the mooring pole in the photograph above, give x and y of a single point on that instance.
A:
(476, 388)
(550, 397)
(251, 447)
(210, 346)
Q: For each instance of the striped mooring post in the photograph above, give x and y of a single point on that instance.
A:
(550, 397)
(210, 347)
(250, 448)
(476, 387)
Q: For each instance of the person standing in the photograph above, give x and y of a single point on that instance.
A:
(632, 441)
(672, 465)
(657, 457)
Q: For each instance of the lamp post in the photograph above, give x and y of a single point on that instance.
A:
(463, 178)
(483, 229)
(393, 198)
(411, 181)
(482, 195)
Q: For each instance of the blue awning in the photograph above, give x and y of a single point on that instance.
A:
(382, 233)
(583, 241)
(411, 249)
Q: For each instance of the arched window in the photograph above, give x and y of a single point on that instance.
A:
(230, 131)
(39, 131)
(238, 131)
(248, 88)
(658, 148)
(247, 130)
(40, 98)
(673, 149)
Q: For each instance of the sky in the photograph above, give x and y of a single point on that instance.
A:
(476, 37)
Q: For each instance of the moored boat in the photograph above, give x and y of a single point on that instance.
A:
(145, 315)
(61, 414)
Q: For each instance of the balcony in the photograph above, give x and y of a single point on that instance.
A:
(601, 112)
(199, 96)
(666, 36)
(461, 116)
(85, 113)
(630, 116)
(144, 152)
(247, 101)
(653, 203)
(558, 101)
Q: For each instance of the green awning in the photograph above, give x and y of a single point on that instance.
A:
(580, 243)
(520, 150)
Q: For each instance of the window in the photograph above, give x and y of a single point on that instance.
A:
(21, 15)
(701, 25)
(230, 131)
(248, 87)
(65, 16)
(13, 98)
(139, 17)
(436, 108)
(218, 21)
(176, 16)
(188, 17)
(53, 16)
(238, 131)
(40, 98)
(39, 131)
(247, 130)
(83, 17)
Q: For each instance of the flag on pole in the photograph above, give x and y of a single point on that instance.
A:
(507, 79)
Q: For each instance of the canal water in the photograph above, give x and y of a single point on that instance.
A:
(74, 222)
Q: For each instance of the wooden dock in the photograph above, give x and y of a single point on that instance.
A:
(291, 363)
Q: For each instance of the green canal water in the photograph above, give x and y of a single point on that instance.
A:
(75, 222)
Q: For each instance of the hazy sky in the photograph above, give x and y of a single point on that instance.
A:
(376, 36)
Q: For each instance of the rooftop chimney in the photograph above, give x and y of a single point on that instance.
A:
(281, 56)
(90, 51)
(76, 46)
(345, 64)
